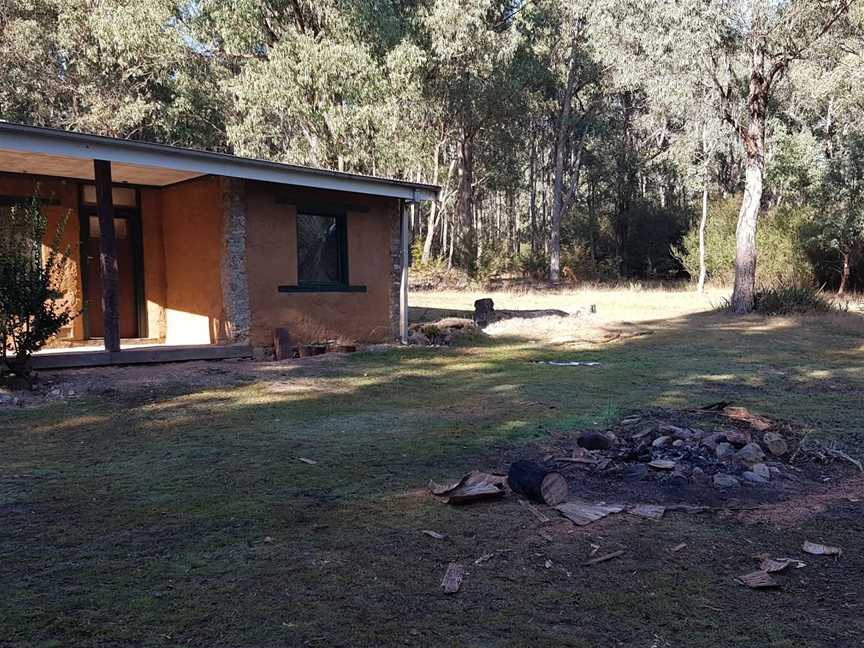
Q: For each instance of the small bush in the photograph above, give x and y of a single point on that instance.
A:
(789, 300)
(33, 308)
(783, 258)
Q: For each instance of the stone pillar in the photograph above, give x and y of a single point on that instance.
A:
(235, 285)
(395, 267)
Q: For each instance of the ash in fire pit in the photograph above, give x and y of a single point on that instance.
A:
(712, 453)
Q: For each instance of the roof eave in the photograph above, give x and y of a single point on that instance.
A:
(91, 147)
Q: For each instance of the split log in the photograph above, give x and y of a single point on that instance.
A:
(537, 483)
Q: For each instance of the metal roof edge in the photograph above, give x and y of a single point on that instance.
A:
(51, 141)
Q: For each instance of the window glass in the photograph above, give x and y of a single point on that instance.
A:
(120, 228)
(120, 196)
(319, 249)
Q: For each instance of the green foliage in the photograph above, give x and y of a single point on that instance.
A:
(789, 300)
(784, 262)
(32, 306)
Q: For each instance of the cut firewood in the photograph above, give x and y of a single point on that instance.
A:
(758, 580)
(817, 549)
(453, 578)
(537, 483)
(603, 558)
(650, 511)
(582, 514)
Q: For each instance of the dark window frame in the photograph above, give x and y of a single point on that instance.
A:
(343, 284)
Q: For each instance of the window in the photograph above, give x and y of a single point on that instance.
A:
(120, 196)
(321, 250)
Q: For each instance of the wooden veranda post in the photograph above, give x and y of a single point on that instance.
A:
(107, 254)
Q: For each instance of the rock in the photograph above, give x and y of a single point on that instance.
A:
(753, 478)
(660, 441)
(711, 439)
(762, 470)
(677, 443)
(775, 443)
(724, 451)
(415, 337)
(722, 480)
(750, 454)
(678, 479)
(635, 472)
(684, 434)
(738, 438)
(594, 441)
(697, 474)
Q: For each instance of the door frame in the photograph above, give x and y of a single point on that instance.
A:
(133, 216)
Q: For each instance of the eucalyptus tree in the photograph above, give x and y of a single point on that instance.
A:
(113, 67)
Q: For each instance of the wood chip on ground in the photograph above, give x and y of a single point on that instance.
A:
(541, 517)
(453, 578)
(678, 547)
(434, 534)
(603, 558)
(311, 462)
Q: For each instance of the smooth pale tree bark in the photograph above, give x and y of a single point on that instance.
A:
(844, 275)
(753, 137)
(702, 224)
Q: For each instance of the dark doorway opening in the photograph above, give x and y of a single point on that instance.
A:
(127, 233)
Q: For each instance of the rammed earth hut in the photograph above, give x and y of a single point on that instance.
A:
(213, 252)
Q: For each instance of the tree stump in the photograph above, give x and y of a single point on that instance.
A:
(484, 312)
(537, 483)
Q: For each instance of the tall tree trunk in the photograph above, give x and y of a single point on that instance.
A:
(702, 223)
(744, 293)
(564, 128)
(844, 275)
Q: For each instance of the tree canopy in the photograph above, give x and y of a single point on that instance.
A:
(572, 138)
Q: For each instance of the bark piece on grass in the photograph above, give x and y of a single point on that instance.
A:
(773, 565)
(582, 514)
(757, 422)
(452, 580)
(434, 534)
(817, 549)
(758, 580)
(537, 483)
(475, 492)
(474, 477)
(603, 558)
(649, 511)
(311, 462)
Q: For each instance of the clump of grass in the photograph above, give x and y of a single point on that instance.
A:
(789, 300)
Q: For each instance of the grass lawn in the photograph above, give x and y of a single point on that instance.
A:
(177, 513)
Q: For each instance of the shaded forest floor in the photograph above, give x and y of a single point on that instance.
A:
(172, 508)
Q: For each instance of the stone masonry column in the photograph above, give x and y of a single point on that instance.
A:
(235, 285)
(395, 267)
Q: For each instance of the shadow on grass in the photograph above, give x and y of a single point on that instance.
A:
(143, 517)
